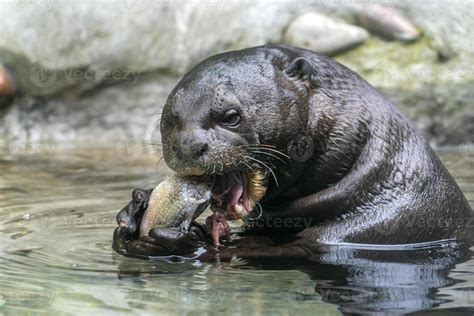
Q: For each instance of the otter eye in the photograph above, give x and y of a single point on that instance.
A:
(168, 121)
(231, 118)
(166, 124)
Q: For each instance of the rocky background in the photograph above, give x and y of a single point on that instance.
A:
(98, 72)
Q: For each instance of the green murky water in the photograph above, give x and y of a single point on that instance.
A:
(57, 215)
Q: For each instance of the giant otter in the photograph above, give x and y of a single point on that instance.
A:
(342, 164)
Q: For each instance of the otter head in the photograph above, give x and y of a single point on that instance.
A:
(230, 119)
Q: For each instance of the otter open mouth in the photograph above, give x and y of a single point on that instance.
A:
(236, 193)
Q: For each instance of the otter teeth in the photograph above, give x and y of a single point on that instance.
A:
(240, 210)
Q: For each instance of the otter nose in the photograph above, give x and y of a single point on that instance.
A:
(193, 151)
(198, 150)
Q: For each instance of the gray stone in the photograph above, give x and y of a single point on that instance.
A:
(445, 113)
(448, 24)
(79, 45)
(123, 113)
(323, 35)
(98, 71)
(387, 23)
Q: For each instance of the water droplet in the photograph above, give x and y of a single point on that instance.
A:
(26, 216)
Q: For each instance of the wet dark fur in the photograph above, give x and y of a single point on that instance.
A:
(372, 177)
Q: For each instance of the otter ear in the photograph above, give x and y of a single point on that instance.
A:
(300, 68)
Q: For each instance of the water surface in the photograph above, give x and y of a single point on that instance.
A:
(57, 215)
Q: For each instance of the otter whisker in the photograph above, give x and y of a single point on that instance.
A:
(144, 144)
(246, 164)
(264, 165)
(235, 177)
(268, 154)
(270, 149)
(158, 163)
(266, 145)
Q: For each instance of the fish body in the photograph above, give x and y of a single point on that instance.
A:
(175, 202)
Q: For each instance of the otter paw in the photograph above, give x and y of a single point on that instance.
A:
(130, 216)
(176, 241)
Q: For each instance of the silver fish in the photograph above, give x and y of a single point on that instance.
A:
(175, 202)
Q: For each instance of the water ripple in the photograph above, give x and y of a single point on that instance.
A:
(56, 222)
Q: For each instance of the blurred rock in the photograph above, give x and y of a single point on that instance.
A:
(79, 45)
(444, 112)
(95, 71)
(437, 96)
(448, 24)
(88, 37)
(323, 35)
(123, 113)
(387, 23)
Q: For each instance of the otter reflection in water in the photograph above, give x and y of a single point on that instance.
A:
(356, 279)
